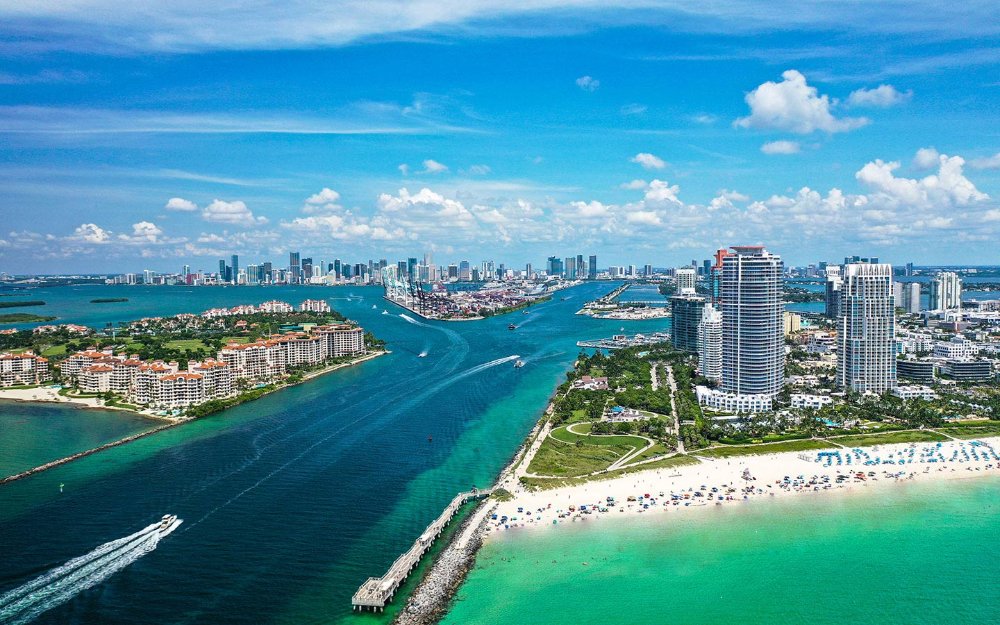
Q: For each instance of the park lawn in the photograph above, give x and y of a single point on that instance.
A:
(976, 429)
(767, 448)
(565, 435)
(54, 350)
(192, 344)
(667, 463)
(658, 449)
(565, 459)
(887, 438)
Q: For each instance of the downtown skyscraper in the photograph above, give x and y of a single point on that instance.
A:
(752, 305)
(866, 332)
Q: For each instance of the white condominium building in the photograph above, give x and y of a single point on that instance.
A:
(315, 305)
(867, 329)
(341, 340)
(686, 278)
(752, 304)
(26, 368)
(946, 291)
(275, 306)
(710, 343)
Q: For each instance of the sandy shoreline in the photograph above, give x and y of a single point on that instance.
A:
(673, 489)
(46, 394)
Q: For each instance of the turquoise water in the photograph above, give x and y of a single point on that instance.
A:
(918, 554)
(291, 501)
(33, 434)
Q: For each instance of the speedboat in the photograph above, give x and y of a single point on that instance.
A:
(518, 364)
(512, 327)
(374, 307)
(167, 521)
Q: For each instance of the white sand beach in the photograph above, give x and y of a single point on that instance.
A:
(738, 480)
(51, 394)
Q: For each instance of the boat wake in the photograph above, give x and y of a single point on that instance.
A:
(412, 320)
(27, 602)
(487, 365)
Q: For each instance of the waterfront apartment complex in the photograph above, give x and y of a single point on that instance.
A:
(946, 291)
(753, 346)
(26, 368)
(685, 311)
(866, 329)
(710, 343)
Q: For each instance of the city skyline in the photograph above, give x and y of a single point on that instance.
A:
(504, 132)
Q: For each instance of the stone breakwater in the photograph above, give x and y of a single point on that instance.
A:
(429, 602)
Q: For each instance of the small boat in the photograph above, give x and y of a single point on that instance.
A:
(167, 521)
(422, 355)
(385, 312)
(512, 327)
(374, 307)
(518, 364)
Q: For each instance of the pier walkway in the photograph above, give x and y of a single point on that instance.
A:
(378, 591)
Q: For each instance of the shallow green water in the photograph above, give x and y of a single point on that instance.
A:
(33, 434)
(920, 553)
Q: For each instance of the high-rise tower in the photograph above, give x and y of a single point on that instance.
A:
(866, 334)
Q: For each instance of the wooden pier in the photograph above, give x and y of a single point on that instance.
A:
(378, 591)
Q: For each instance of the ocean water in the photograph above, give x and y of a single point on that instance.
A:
(919, 553)
(291, 501)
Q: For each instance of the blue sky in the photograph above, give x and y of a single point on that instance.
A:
(150, 135)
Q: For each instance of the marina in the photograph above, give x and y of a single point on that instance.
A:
(622, 341)
(376, 592)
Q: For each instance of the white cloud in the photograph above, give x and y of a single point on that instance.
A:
(404, 169)
(235, 213)
(793, 106)
(649, 161)
(180, 204)
(479, 170)
(649, 218)
(210, 237)
(947, 189)
(433, 167)
(323, 202)
(588, 83)
(706, 119)
(91, 233)
(926, 158)
(325, 196)
(634, 184)
(990, 162)
(592, 209)
(882, 96)
(780, 147)
(634, 109)
(146, 230)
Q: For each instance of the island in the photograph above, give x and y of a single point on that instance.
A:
(184, 366)
(24, 318)
(35, 302)
(108, 300)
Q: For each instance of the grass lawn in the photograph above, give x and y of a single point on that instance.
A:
(235, 339)
(54, 350)
(885, 438)
(972, 429)
(667, 463)
(772, 448)
(192, 344)
(567, 459)
(658, 449)
(565, 435)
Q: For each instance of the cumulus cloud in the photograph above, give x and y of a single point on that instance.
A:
(882, 96)
(588, 83)
(648, 161)
(325, 201)
(180, 204)
(91, 233)
(947, 189)
(926, 158)
(990, 162)
(780, 147)
(793, 105)
(236, 213)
